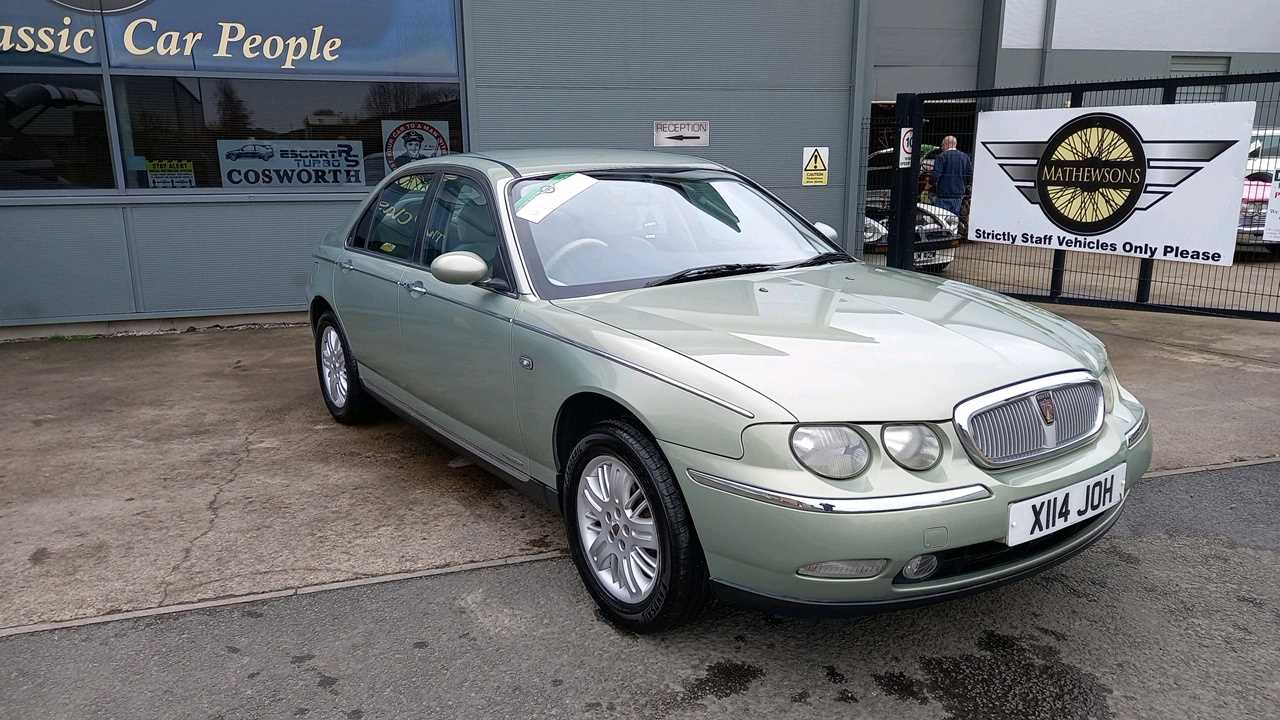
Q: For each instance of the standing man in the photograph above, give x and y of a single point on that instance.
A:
(952, 172)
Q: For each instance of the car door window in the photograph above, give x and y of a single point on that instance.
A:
(462, 218)
(391, 224)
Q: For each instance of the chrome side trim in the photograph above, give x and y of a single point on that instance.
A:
(967, 409)
(842, 506)
(1139, 430)
(642, 370)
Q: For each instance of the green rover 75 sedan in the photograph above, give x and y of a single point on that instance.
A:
(717, 399)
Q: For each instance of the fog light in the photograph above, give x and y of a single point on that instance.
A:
(844, 568)
(920, 567)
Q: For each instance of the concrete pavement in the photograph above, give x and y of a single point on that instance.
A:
(145, 471)
(1174, 615)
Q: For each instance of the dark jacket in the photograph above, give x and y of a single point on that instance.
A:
(952, 172)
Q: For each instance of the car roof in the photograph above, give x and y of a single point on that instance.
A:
(543, 161)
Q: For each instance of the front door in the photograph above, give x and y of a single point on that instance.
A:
(367, 285)
(457, 338)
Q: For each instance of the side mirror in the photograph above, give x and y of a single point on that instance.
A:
(828, 232)
(459, 268)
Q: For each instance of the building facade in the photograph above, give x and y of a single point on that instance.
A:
(163, 158)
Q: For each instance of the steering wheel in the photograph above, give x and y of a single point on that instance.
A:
(572, 246)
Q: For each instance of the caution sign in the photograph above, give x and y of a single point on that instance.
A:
(816, 160)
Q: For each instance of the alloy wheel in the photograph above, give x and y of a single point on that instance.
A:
(333, 366)
(617, 531)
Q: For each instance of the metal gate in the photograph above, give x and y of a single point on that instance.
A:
(921, 237)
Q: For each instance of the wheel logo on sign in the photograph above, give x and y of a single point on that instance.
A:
(1091, 174)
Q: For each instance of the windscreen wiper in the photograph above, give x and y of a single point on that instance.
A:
(819, 259)
(710, 271)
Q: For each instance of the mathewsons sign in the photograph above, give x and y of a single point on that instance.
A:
(1155, 181)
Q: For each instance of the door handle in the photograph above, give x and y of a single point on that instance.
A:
(346, 266)
(416, 288)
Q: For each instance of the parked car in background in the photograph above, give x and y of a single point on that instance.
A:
(1254, 201)
(252, 150)
(937, 229)
(713, 394)
(936, 238)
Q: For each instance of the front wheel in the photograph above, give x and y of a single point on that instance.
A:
(630, 534)
(346, 399)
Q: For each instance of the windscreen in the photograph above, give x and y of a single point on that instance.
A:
(587, 233)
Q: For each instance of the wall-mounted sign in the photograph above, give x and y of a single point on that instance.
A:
(681, 133)
(321, 164)
(404, 37)
(171, 174)
(1154, 181)
(816, 161)
(404, 141)
(906, 138)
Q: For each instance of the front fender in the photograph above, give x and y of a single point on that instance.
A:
(677, 399)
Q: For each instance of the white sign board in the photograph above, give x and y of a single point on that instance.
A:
(904, 147)
(1271, 231)
(681, 133)
(404, 141)
(1150, 181)
(319, 164)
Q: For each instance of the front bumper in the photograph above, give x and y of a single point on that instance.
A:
(754, 548)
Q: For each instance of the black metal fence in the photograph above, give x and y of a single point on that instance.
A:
(902, 200)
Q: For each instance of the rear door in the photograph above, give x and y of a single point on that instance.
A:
(367, 285)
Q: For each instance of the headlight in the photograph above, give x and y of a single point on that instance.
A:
(1110, 389)
(832, 451)
(914, 447)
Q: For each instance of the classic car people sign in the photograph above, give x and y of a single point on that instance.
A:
(1155, 181)
(253, 164)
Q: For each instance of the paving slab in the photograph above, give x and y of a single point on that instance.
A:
(143, 471)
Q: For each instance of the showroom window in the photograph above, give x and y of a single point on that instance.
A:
(147, 96)
(299, 135)
(53, 133)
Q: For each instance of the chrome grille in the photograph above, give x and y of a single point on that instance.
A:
(1008, 427)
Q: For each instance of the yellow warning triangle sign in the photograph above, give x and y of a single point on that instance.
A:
(815, 163)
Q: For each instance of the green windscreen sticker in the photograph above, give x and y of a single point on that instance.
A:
(542, 199)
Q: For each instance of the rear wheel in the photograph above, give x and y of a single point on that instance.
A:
(345, 397)
(630, 534)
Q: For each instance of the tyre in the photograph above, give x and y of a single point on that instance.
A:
(345, 397)
(630, 534)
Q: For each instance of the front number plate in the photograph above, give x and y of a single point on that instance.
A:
(1044, 514)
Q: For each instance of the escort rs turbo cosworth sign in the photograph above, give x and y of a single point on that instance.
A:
(321, 164)
(1155, 181)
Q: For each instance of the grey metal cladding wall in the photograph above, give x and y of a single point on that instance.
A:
(63, 262)
(924, 45)
(228, 256)
(772, 78)
(742, 44)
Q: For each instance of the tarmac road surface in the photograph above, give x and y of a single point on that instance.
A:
(1176, 614)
